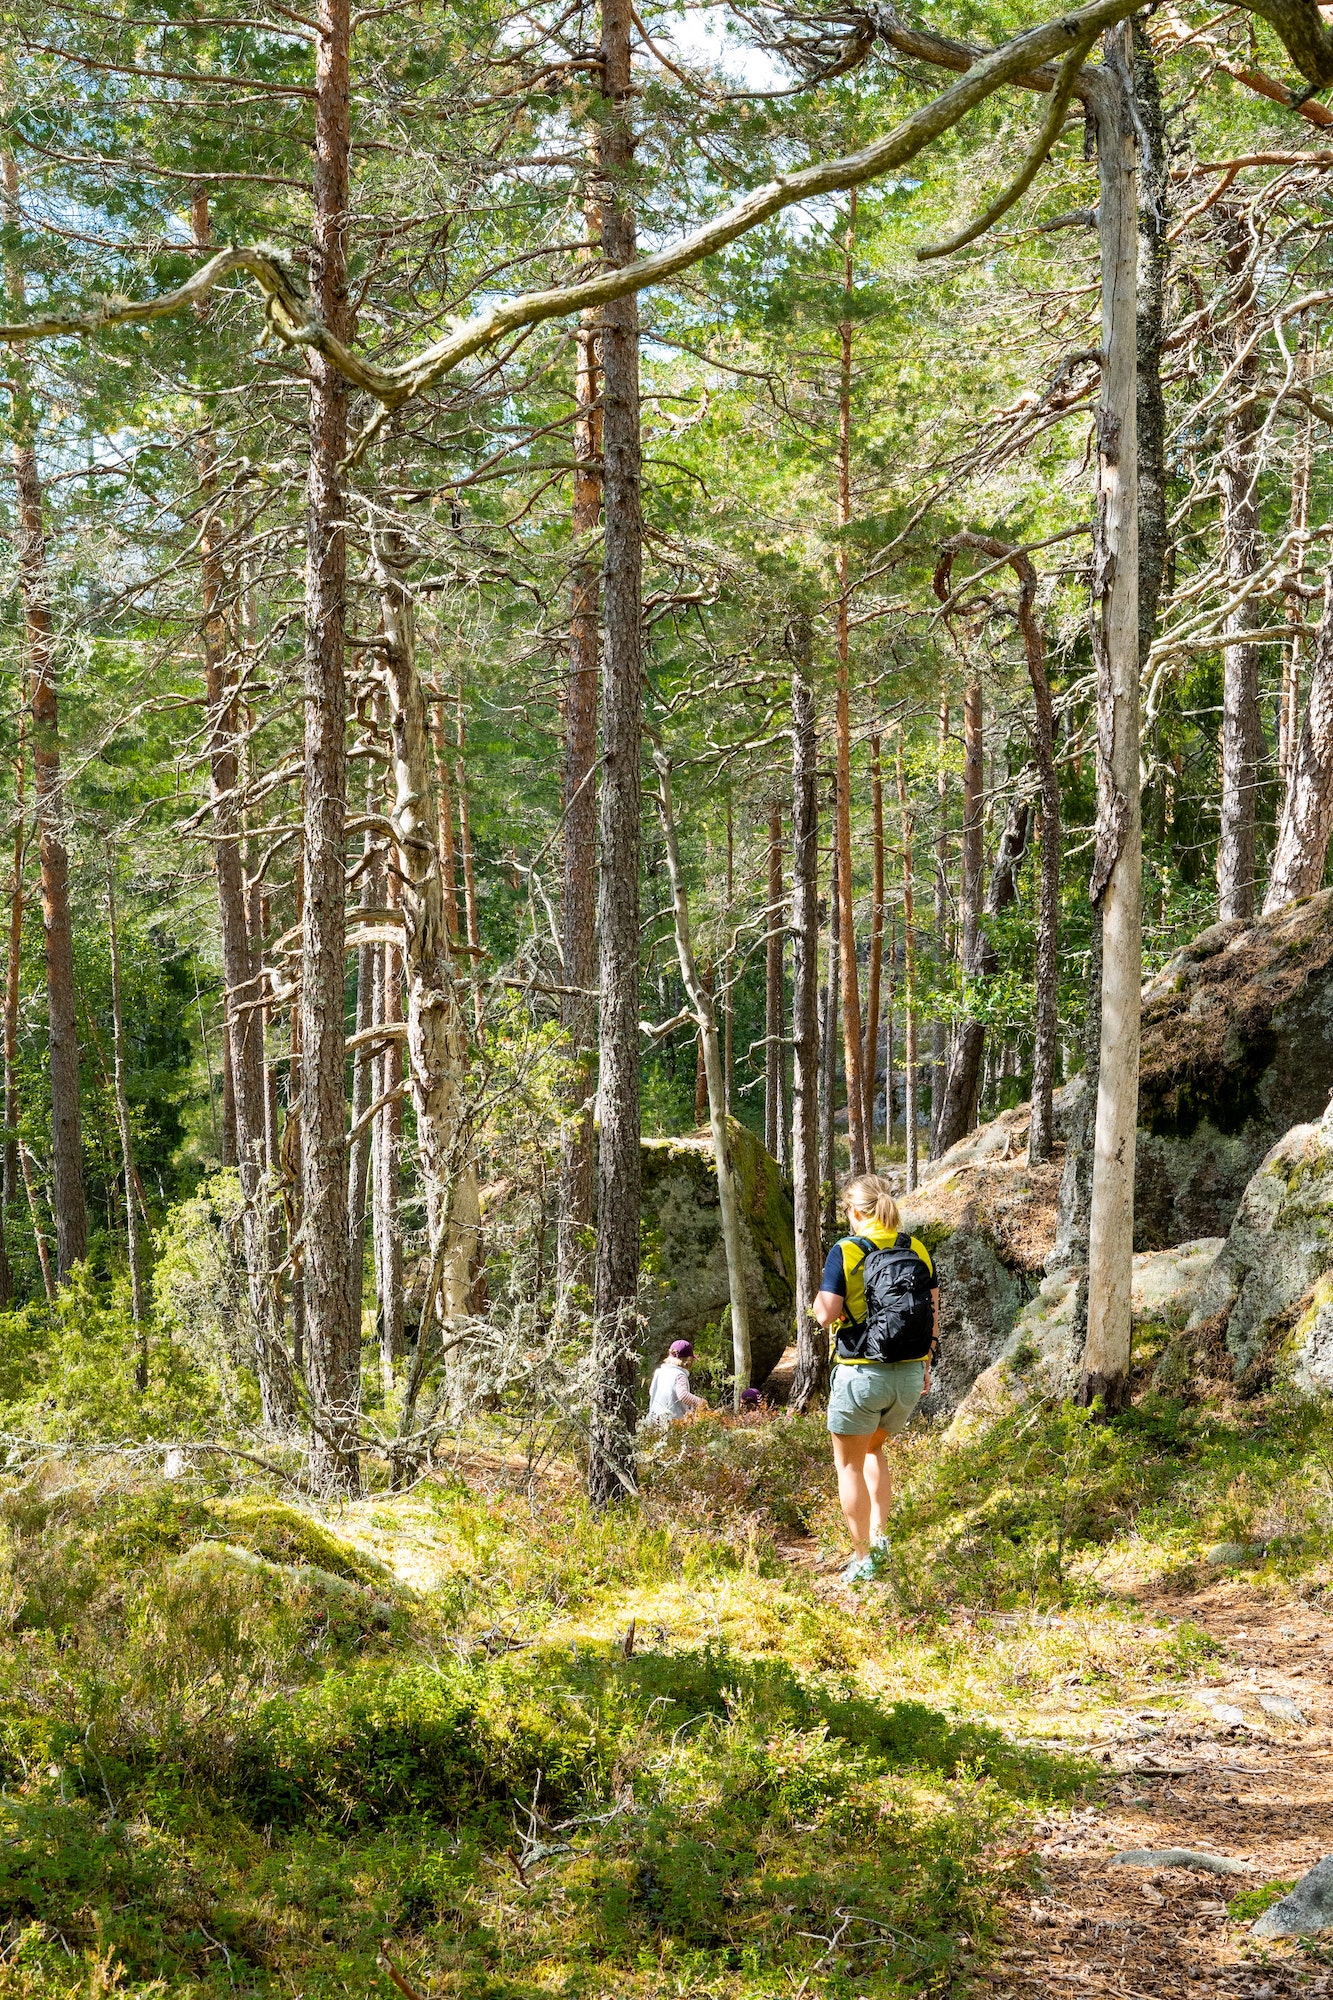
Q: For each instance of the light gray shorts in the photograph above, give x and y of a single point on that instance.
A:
(870, 1396)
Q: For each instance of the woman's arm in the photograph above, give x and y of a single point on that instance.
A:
(829, 1308)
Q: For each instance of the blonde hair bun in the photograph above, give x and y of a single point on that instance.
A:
(872, 1194)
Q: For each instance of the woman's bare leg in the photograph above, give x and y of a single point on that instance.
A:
(863, 1484)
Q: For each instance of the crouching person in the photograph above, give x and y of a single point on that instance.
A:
(879, 1291)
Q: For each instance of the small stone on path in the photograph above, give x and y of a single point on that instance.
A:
(1283, 1709)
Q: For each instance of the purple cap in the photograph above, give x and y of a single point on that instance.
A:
(750, 1397)
(682, 1350)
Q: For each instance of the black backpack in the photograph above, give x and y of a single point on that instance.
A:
(900, 1314)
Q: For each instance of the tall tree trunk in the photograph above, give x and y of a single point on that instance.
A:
(774, 1053)
(909, 977)
(1242, 732)
(870, 1043)
(436, 1034)
(939, 1041)
(728, 1002)
(579, 915)
(333, 1331)
(958, 1111)
(828, 1044)
(1150, 326)
(1289, 708)
(243, 1015)
(137, 1307)
(1118, 857)
(857, 1145)
(1307, 815)
(71, 1213)
(618, 1167)
(388, 1127)
(13, 966)
(811, 1381)
(701, 1001)
(888, 1033)
(363, 1057)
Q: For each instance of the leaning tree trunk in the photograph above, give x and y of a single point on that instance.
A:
(1242, 732)
(1117, 861)
(436, 1033)
(700, 1000)
(811, 1381)
(332, 1322)
(618, 1167)
(578, 1008)
(1307, 815)
(71, 1212)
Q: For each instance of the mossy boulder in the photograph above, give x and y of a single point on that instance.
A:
(1039, 1359)
(1270, 1290)
(1237, 1047)
(685, 1263)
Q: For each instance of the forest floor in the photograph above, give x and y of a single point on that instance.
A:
(476, 1740)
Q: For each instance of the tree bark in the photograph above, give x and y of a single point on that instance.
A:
(1150, 323)
(810, 1385)
(774, 1053)
(939, 1044)
(1307, 815)
(958, 1111)
(471, 915)
(13, 965)
(828, 1043)
(388, 1129)
(1289, 710)
(1242, 733)
(870, 1043)
(71, 1212)
(1118, 859)
(578, 1010)
(618, 1168)
(436, 1034)
(909, 977)
(701, 1002)
(137, 1307)
(363, 1059)
(857, 1145)
(332, 1325)
(243, 1016)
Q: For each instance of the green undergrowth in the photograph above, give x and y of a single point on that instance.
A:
(245, 1743)
(237, 1758)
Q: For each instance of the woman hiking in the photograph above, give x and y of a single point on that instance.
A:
(880, 1292)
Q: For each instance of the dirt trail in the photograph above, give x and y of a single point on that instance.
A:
(1261, 1793)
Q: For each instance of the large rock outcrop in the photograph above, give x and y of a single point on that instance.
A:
(1038, 1358)
(685, 1265)
(1237, 1048)
(1269, 1292)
